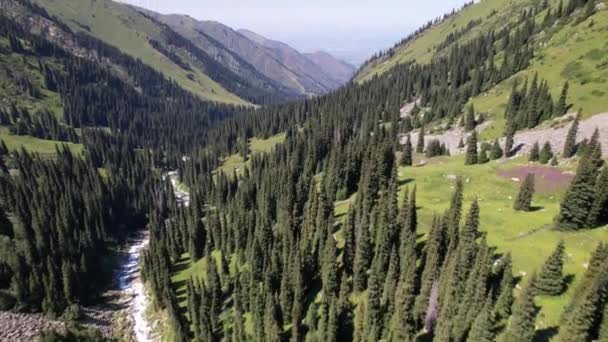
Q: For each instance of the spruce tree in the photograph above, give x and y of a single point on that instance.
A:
(504, 302)
(584, 322)
(483, 158)
(406, 156)
(421, 143)
(482, 329)
(603, 336)
(526, 192)
(546, 153)
(562, 105)
(534, 153)
(496, 152)
(469, 120)
(197, 240)
(550, 280)
(521, 327)
(510, 138)
(570, 144)
(471, 153)
(579, 198)
(599, 211)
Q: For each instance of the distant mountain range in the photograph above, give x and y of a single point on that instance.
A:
(209, 59)
(302, 74)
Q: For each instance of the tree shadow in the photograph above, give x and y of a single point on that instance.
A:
(406, 181)
(516, 149)
(535, 208)
(568, 280)
(545, 335)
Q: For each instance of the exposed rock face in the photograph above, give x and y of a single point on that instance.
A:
(524, 140)
(18, 327)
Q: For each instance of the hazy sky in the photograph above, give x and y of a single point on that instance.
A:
(352, 29)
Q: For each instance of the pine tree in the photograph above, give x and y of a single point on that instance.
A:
(482, 158)
(521, 326)
(497, 151)
(580, 196)
(550, 280)
(406, 156)
(570, 145)
(469, 121)
(502, 308)
(482, 329)
(421, 143)
(534, 153)
(584, 322)
(594, 269)
(363, 256)
(510, 138)
(526, 192)
(599, 211)
(471, 153)
(562, 104)
(546, 153)
(197, 240)
(603, 336)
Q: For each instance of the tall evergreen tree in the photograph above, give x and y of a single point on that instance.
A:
(469, 121)
(546, 153)
(580, 196)
(534, 153)
(562, 104)
(521, 326)
(471, 153)
(599, 211)
(482, 329)
(526, 192)
(570, 144)
(421, 141)
(496, 152)
(504, 302)
(406, 156)
(550, 280)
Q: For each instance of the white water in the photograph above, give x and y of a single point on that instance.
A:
(131, 283)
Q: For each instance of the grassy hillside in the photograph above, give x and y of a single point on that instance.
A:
(575, 51)
(493, 13)
(128, 30)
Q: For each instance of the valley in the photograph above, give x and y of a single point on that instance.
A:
(165, 178)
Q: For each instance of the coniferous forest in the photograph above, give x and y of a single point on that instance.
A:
(275, 267)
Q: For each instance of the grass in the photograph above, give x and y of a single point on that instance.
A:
(423, 48)
(127, 29)
(527, 236)
(573, 51)
(236, 162)
(16, 142)
(25, 66)
(577, 54)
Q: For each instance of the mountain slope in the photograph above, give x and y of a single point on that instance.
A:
(337, 69)
(242, 50)
(570, 49)
(308, 72)
(159, 47)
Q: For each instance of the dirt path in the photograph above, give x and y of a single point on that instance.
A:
(524, 140)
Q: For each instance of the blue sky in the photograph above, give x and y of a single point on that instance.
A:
(352, 29)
